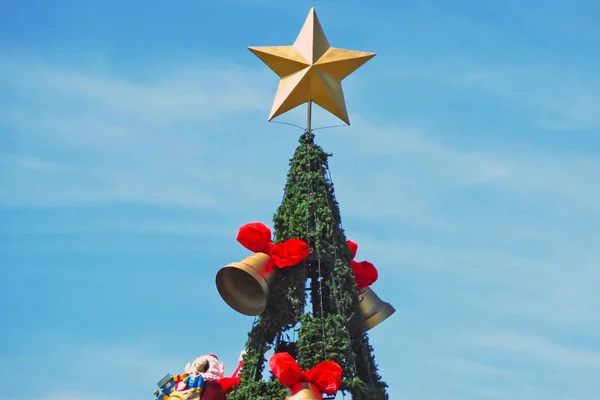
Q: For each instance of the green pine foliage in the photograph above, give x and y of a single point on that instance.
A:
(332, 330)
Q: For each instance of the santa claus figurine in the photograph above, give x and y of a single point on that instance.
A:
(208, 374)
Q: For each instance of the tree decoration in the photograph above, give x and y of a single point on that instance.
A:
(245, 285)
(311, 70)
(372, 309)
(325, 377)
(203, 379)
(365, 273)
(256, 237)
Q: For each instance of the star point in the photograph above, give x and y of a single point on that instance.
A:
(311, 70)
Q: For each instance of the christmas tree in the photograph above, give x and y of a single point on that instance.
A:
(333, 327)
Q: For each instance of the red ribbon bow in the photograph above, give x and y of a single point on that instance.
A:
(256, 237)
(326, 376)
(365, 273)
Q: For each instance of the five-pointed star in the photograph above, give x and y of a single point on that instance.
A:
(311, 70)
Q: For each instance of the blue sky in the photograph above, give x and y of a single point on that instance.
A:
(134, 143)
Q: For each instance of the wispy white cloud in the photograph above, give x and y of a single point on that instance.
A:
(542, 349)
(199, 225)
(528, 323)
(457, 365)
(560, 100)
(197, 93)
(415, 175)
(553, 98)
(554, 287)
(122, 139)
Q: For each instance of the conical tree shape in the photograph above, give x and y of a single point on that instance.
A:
(332, 329)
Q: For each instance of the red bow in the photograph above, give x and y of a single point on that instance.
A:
(256, 237)
(326, 376)
(365, 273)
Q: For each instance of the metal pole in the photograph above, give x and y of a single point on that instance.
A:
(309, 116)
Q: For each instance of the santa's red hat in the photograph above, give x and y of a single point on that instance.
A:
(212, 355)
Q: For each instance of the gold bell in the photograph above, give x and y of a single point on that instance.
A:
(374, 311)
(303, 391)
(245, 285)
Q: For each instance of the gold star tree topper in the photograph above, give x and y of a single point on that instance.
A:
(311, 70)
